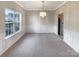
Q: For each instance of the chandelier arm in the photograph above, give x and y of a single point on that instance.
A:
(43, 5)
(43, 13)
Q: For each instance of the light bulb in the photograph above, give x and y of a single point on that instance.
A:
(43, 14)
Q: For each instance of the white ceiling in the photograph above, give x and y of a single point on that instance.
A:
(38, 5)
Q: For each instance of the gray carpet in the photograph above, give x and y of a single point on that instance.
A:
(40, 45)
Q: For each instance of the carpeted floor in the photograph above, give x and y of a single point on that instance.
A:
(40, 45)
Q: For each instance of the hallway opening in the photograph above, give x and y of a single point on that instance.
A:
(60, 24)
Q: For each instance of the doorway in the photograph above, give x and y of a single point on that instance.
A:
(60, 24)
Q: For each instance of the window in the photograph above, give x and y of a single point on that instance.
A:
(17, 22)
(12, 22)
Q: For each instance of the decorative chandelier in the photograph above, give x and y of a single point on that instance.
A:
(43, 13)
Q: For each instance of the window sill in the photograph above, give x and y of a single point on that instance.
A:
(12, 35)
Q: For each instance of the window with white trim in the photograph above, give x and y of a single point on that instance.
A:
(12, 22)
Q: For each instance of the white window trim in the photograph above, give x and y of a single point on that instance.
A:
(11, 35)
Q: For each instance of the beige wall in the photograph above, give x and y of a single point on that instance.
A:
(36, 24)
(71, 23)
(6, 43)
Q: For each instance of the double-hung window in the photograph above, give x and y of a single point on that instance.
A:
(12, 22)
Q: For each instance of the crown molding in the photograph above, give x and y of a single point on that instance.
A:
(52, 10)
(61, 5)
(20, 5)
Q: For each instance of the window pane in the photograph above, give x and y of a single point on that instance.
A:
(17, 22)
(17, 26)
(6, 28)
(9, 21)
(9, 28)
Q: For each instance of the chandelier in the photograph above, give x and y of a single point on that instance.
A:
(43, 13)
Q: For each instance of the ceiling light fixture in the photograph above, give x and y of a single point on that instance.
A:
(43, 13)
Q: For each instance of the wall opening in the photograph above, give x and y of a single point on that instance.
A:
(60, 24)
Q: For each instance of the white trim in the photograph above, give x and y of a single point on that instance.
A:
(61, 5)
(12, 34)
(6, 48)
(52, 10)
(19, 5)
